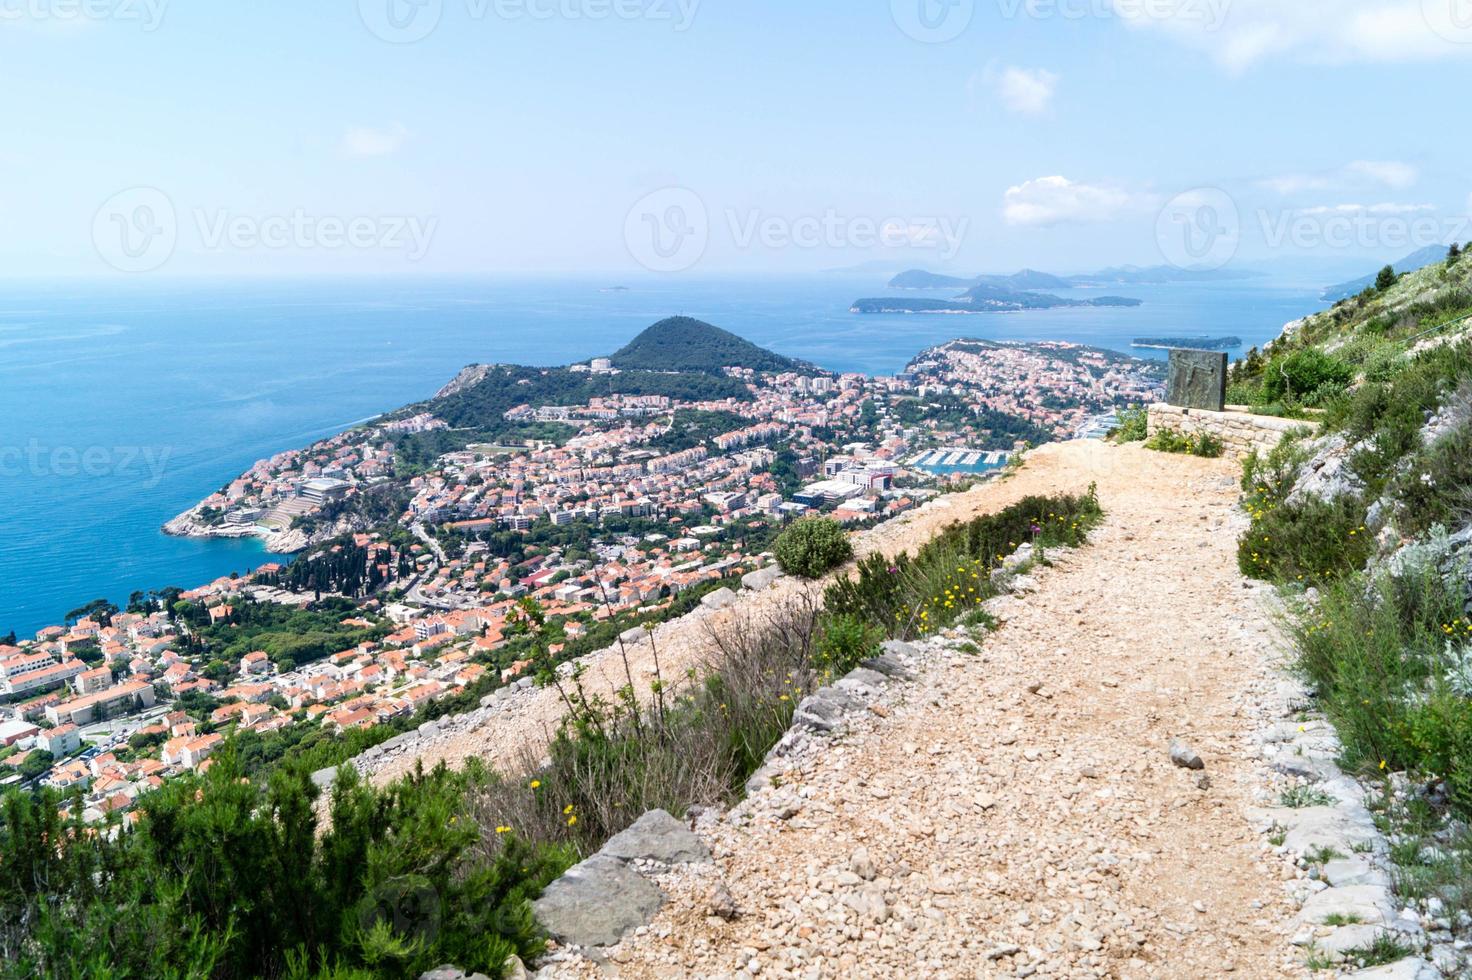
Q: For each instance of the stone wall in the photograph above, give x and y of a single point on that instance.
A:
(1239, 430)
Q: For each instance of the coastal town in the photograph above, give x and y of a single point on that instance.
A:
(421, 589)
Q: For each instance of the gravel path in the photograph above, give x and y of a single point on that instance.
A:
(990, 826)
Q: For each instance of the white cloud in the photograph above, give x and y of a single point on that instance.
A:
(1056, 200)
(1240, 33)
(1028, 91)
(1387, 207)
(363, 141)
(1391, 173)
(1359, 173)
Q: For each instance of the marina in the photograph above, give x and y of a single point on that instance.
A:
(962, 460)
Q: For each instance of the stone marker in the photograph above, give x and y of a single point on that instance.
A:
(719, 599)
(596, 902)
(657, 836)
(1197, 379)
(1185, 756)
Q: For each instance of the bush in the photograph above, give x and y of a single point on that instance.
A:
(1308, 541)
(1435, 487)
(812, 547)
(1308, 376)
(1202, 444)
(226, 877)
(950, 576)
(609, 763)
(1379, 655)
(1134, 425)
(845, 641)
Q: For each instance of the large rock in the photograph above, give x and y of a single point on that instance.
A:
(890, 666)
(1327, 473)
(596, 902)
(761, 578)
(863, 682)
(818, 714)
(719, 599)
(1346, 938)
(657, 836)
(1353, 870)
(824, 710)
(1339, 827)
(1185, 756)
(899, 648)
(1363, 904)
(1410, 968)
(450, 973)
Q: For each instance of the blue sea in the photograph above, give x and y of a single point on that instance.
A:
(123, 404)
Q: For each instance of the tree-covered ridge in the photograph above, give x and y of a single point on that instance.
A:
(682, 343)
(477, 413)
(507, 386)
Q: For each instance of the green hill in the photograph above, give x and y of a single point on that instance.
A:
(682, 343)
(1365, 522)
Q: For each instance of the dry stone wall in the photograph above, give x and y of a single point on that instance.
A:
(1240, 431)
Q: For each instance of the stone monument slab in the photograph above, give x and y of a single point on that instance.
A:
(1197, 379)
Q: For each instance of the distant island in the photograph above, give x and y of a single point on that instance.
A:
(1025, 279)
(1191, 343)
(1032, 279)
(983, 299)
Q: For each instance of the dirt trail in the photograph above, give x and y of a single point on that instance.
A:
(1014, 833)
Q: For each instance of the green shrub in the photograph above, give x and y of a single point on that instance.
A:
(1434, 487)
(812, 547)
(610, 761)
(1377, 654)
(225, 877)
(844, 642)
(1384, 948)
(1387, 415)
(1194, 444)
(949, 577)
(1308, 541)
(1134, 425)
(1269, 479)
(1298, 797)
(1308, 376)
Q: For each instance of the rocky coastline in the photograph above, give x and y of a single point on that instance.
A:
(284, 542)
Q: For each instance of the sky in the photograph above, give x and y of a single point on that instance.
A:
(158, 138)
